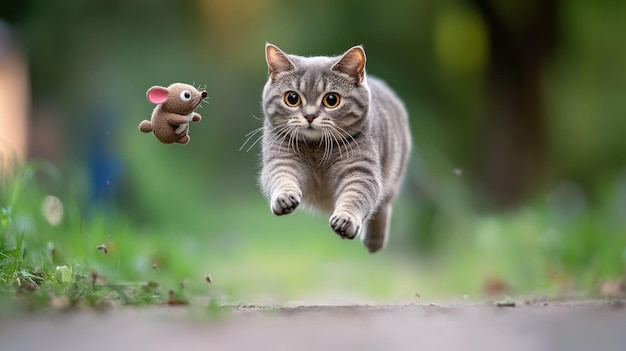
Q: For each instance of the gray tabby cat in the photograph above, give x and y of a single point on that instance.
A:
(334, 139)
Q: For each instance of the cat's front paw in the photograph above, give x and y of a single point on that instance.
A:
(345, 225)
(285, 202)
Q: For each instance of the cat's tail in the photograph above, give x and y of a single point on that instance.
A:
(145, 126)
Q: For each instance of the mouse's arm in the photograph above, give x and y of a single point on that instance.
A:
(175, 120)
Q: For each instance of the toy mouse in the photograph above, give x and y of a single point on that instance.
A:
(174, 110)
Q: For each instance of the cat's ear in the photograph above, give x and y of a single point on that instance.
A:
(277, 61)
(157, 95)
(352, 63)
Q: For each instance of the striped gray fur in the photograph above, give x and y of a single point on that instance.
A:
(347, 159)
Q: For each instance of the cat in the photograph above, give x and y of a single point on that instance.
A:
(334, 139)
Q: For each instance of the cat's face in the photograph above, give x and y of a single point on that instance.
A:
(316, 97)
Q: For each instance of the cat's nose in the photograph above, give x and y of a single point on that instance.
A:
(204, 94)
(310, 118)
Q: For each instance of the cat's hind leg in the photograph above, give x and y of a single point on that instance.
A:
(377, 231)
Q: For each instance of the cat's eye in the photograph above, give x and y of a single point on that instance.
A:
(292, 99)
(185, 95)
(331, 100)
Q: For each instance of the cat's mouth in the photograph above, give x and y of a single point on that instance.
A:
(311, 132)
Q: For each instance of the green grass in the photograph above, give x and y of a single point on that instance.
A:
(255, 257)
(45, 263)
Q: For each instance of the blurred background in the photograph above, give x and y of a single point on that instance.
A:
(517, 183)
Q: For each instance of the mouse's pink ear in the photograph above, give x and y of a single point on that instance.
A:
(157, 95)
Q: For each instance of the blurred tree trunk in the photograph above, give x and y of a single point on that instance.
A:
(14, 100)
(522, 36)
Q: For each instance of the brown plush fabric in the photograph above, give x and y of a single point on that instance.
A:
(173, 113)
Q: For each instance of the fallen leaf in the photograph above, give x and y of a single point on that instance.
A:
(174, 300)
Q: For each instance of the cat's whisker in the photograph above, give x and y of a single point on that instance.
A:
(277, 134)
(332, 134)
(329, 145)
(286, 130)
(297, 140)
(250, 135)
(292, 136)
(320, 143)
(305, 142)
(325, 155)
(345, 142)
(255, 142)
(323, 141)
(332, 145)
(328, 151)
(350, 136)
(280, 127)
(273, 141)
(260, 137)
(255, 131)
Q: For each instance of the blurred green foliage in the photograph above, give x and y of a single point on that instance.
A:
(196, 209)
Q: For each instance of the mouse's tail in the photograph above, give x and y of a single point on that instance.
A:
(145, 126)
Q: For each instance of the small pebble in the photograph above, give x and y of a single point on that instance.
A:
(506, 304)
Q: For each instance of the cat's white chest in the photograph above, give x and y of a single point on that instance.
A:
(318, 195)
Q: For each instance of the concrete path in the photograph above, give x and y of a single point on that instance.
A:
(588, 325)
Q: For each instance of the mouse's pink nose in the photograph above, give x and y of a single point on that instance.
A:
(204, 94)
